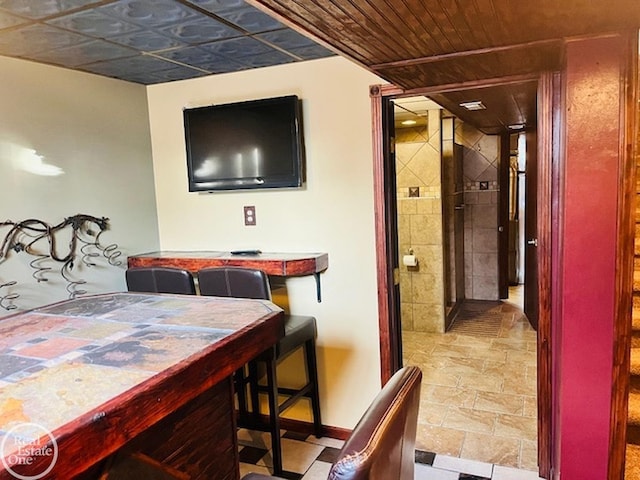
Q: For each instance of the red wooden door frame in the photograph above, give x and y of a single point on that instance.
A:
(389, 351)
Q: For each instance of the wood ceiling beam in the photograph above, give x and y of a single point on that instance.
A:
(466, 53)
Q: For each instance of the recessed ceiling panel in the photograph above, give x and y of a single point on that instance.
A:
(94, 23)
(188, 38)
(42, 8)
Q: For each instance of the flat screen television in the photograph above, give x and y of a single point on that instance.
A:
(245, 145)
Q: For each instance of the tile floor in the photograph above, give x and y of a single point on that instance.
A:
(478, 397)
(477, 416)
(310, 458)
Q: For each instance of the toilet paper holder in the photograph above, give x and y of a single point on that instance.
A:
(409, 260)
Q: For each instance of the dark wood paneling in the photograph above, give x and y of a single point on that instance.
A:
(513, 104)
(421, 43)
(476, 66)
(548, 151)
(378, 31)
(624, 261)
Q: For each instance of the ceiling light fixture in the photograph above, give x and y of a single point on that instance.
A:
(408, 123)
(516, 126)
(475, 105)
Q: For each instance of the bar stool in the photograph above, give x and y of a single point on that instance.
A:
(299, 331)
(160, 280)
(382, 444)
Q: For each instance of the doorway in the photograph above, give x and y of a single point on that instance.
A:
(477, 353)
(389, 325)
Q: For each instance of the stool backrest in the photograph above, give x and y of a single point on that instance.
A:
(382, 445)
(237, 282)
(160, 280)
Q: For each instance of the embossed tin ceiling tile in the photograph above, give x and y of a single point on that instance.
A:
(147, 41)
(9, 20)
(312, 52)
(251, 19)
(94, 23)
(76, 55)
(150, 13)
(122, 67)
(42, 8)
(37, 38)
(269, 59)
(287, 39)
(200, 30)
(216, 6)
(191, 56)
(176, 73)
(237, 47)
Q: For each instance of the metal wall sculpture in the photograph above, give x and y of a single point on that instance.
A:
(40, 240)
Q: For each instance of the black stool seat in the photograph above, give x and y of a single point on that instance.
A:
(297, 330)
(160, 280)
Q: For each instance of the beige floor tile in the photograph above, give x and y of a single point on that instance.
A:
(490, 449)
(445, 441)
(437, 377)
(489, 354)
(481, 382)
(296, 456)
(510, 344)
(432, 413)
(526, 357)
(532, 372)
(516, 427)
(528, 455)
(470, 420)
(417, 358)
(449, 396)
(475, 388)
(471, 341)
(424, 348)
(463, 366)
(500, 403)
(530, 406)
(496, 368)
(518, 387)
(456, 351)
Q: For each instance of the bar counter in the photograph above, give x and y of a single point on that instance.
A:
(124, 373)
(272, 263)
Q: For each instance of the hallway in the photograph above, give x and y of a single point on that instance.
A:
(478, 399)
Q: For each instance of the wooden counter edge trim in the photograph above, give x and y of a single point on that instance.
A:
(103, 430)
(314, 263)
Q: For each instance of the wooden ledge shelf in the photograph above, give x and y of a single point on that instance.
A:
(276, 264)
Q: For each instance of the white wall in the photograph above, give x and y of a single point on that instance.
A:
(333, 213)
(96, 131)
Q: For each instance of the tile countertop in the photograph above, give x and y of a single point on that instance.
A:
(65, 360)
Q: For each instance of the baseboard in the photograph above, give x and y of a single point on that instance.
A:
(300, 426)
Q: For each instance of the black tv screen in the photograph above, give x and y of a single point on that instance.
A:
(252, 144)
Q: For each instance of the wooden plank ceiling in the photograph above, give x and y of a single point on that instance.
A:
(420, 45)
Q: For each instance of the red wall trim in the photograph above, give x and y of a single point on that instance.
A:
(588, 248)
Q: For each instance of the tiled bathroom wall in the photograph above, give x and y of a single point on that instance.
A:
(480, 167)
(420, 225)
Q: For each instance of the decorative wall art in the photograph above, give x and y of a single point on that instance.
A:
(74, 241)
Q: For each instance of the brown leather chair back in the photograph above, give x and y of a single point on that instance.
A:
(234, 282)
(160, 280)
(382, 445)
